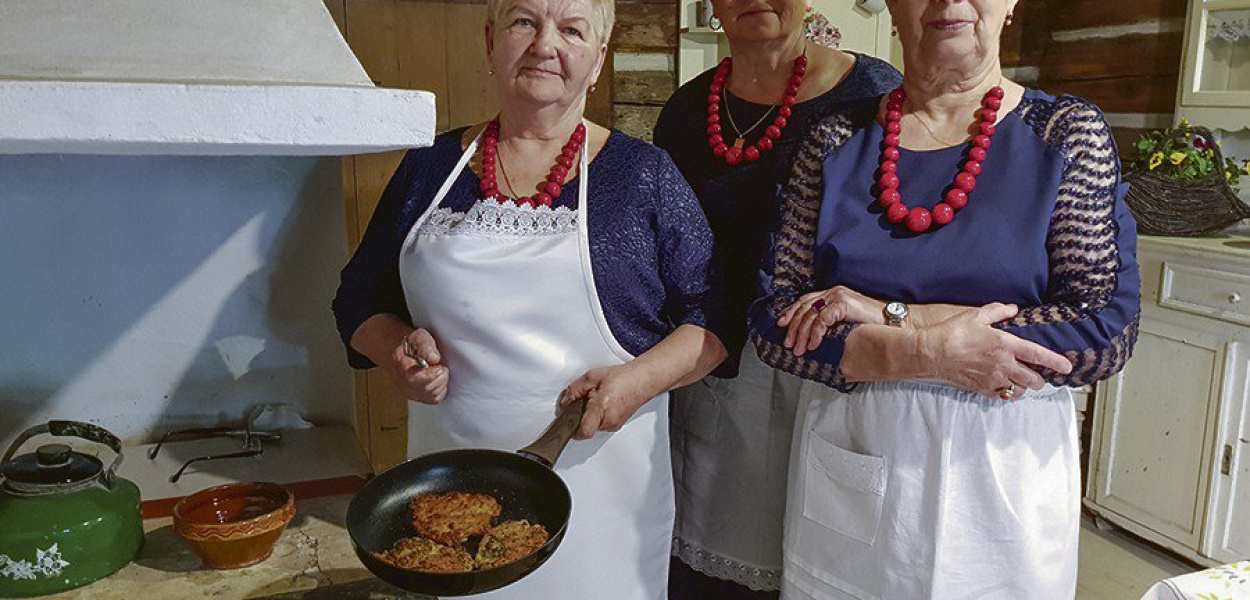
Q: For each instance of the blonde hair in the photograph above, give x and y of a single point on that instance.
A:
(604, 9)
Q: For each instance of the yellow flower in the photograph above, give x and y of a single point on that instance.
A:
(1177, 157)
(1184, 123)
(1156, 160)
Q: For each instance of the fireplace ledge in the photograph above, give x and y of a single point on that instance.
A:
(93, 117)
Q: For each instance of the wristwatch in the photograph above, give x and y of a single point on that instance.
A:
(895, 313)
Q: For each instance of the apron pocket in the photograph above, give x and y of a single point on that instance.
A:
(696, 408)
(843, 490)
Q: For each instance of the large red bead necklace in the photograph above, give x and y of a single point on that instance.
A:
(550, 189)
(735, 153)
(920, 219)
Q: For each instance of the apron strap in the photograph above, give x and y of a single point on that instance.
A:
(583, 242)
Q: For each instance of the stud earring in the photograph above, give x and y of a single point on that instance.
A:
(1010, 16)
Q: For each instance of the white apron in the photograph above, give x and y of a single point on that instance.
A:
(920, 491)
(508, 294)
(731, 452)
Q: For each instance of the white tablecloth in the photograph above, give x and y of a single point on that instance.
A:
(1229, 582)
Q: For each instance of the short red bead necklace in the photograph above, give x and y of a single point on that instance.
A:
(920, 219)
(548, 190)
(735, 153)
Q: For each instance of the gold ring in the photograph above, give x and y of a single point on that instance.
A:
(1008, 392)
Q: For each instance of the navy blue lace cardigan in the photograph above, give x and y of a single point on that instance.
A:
(650, 245)
(1046, 228)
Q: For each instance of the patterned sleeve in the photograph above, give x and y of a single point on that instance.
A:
(692, 283)
(369, 285)
(789, 270)
(1091, 309)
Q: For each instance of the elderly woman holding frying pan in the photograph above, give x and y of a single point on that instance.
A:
(533, 253)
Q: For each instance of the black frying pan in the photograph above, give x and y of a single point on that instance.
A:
(522, 481)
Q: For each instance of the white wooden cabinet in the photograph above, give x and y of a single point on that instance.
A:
(1169, 453)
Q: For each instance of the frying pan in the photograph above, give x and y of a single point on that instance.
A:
(522, 481)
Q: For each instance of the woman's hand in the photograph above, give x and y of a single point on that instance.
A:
(414, 368)
(966, 351)
(810, 317)
(613, 395)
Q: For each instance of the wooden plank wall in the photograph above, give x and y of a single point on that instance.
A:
(644, 52)
(1123, 55)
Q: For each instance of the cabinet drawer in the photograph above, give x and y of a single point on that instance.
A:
(1217, 294)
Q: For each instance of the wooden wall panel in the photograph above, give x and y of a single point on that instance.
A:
(1024, 41)
(338, 10)
(646, 27)
(1136, 55)
(470, 86)
(394, 43)
(599, 103)
(1082, 14)
(1150, 95)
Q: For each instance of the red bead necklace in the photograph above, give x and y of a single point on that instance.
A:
(921, 219)
(734, 154)
(550, 189)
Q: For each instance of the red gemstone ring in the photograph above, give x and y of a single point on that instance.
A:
(818, 305)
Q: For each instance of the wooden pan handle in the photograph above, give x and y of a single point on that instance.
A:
(548, 447)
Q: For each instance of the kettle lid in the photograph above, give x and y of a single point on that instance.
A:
(56, 468)
(50, 468)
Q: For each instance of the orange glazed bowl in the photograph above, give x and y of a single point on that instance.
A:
(235, 525)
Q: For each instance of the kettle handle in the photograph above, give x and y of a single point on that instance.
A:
(76, 429)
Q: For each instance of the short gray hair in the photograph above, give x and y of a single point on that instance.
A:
(604, 9)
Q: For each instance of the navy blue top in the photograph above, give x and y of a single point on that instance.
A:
(741, 201)
(1046, 229)
(650, 245)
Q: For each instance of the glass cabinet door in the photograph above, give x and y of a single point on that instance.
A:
(1216, 70)
(1225, 56)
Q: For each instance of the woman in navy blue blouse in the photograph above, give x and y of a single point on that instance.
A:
(539, 258)
(732, 431)
(951, 257)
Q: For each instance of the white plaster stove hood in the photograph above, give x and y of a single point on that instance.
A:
(193, 77)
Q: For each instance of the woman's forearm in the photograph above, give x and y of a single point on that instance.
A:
(683, 357)
(379, 336)
(883, 353)
(929, 315)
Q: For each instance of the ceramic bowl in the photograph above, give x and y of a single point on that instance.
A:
(235, 525)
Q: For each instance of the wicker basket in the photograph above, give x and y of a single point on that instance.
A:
(1166, 206)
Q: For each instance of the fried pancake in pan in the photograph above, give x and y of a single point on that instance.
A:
(509, 542)
(424, 555)
(452, 518)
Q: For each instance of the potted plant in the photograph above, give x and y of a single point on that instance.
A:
(1181, 184)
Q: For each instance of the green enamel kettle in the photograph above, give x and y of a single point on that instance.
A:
(65, 519)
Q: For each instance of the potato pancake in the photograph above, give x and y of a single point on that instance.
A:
(509, 542)
(424, 555)
(452, 518)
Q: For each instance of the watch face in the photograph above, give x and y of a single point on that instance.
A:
(896, 311)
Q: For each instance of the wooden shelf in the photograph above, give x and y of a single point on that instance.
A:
(701, 31)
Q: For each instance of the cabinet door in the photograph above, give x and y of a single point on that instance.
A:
(1215, 77)
(1154, 456)
(1230, 520)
